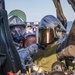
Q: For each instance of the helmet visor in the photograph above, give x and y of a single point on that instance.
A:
(17, 30)
(17, 33)
(46, 35)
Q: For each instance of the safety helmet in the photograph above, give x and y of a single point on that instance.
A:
(28, 30)
(16, 21)
(47, 27)
(17, 26)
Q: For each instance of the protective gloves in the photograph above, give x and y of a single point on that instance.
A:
(25, 53)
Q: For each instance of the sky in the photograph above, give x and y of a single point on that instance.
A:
(35, 10)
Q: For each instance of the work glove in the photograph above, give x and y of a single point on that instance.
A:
(25, 53)
(36, 68)
(30, 50)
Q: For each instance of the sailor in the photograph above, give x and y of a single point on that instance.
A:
(54, 48)
(48, 34)
(47, 37)
(17, 26)
(29, 46)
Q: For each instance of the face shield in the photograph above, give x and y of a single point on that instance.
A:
(46, 35)
(29, 35)
(17, 26)
(52, 22)
(48, 27)
(28, 30)
(17, 33)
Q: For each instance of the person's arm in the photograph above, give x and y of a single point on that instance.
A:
(24, 52)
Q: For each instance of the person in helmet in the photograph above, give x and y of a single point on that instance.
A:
(17, 26)
(29, 46)
(50, 32)
(29, 35)
(30, 39)
(47, 37)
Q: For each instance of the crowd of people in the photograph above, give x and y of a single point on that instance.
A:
(42, 45)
